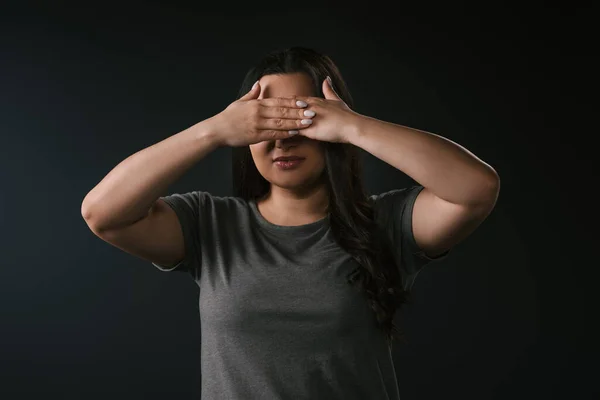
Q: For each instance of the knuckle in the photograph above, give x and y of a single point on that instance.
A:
(279, 122)
(254, 119)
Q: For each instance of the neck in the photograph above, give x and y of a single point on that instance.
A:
(285, 207)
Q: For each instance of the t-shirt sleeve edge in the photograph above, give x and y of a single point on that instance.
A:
(186, 264)
(408, 228)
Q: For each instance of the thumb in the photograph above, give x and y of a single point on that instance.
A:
(253, 93)
(328, 91)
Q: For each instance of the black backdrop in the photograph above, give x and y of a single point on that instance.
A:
(84, 86)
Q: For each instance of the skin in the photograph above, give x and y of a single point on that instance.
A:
(460, 190)
(297, 196)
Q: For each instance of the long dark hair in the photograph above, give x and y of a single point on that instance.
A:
(352, 219)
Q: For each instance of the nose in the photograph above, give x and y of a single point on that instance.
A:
(288, 142)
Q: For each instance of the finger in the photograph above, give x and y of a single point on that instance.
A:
(267, 135)
(284, 102)
(283, 124)
(253, 93)
(285, 112)
(328, 91)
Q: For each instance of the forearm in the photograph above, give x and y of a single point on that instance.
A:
(130, 189)
(449, 170)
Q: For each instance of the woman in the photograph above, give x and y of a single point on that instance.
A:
(300, 273)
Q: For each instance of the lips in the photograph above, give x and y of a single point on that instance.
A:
(290, 158)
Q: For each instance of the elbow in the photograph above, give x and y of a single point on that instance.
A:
(492, 190)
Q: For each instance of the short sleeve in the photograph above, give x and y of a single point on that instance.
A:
(393, 211)
(187, 207)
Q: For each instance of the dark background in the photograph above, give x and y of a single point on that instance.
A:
(82, 87)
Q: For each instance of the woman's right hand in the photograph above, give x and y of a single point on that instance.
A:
(250, 120)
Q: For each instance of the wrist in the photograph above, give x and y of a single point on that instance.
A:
(208, 131)
(354, 129)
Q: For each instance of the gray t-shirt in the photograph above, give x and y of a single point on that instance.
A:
(278, 318)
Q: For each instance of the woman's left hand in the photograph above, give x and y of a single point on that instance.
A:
(334, 120)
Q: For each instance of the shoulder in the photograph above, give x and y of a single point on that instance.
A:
(205, 204)
(395, 199)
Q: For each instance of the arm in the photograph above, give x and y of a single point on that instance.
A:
(127, 193)
(460, 189)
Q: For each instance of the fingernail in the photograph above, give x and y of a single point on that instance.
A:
(306, 121)
(253, 86)
(294, 132)
(329, 80)
(309, 113)
(301, 103)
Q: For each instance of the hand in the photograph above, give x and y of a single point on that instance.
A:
(334, 120)
(249, 120)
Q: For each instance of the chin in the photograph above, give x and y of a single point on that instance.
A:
(290, 182)
(293, 179)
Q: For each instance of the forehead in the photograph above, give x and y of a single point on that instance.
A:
(286, 85)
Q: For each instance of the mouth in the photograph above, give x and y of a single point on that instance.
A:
(289, 164)
(291, 158)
